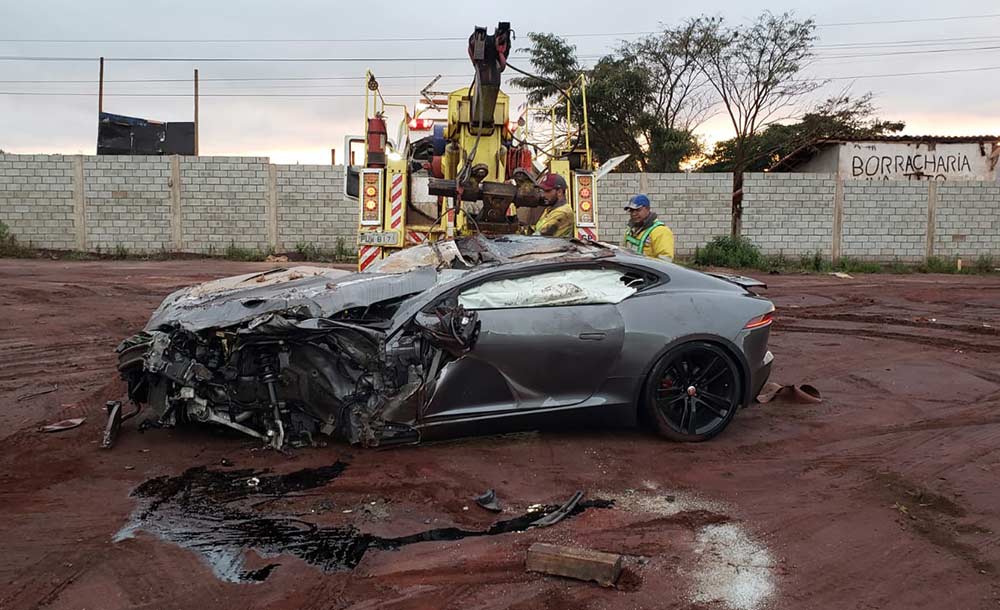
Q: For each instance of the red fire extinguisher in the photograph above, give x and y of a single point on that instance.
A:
(376, 142)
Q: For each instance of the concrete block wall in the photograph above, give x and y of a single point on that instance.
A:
(37, 199)
(695, 206)
(790, 214)
(967, 220)
(885, 220)
(204, 204)
(312, 209)
(127, 203)
(224, 202)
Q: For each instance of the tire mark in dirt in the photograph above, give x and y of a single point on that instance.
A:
(879, 334)
(933, 516)
(893, 321)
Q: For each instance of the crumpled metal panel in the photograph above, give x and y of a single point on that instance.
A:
(236, 300)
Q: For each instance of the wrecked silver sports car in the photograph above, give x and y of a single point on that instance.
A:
(455, 337)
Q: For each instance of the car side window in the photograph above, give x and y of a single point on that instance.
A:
(553, 288)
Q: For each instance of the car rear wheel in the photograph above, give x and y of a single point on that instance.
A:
(693, 392)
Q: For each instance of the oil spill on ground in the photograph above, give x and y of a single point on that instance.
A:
(213, 513)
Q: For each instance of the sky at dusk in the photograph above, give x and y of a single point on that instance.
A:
(857, 49)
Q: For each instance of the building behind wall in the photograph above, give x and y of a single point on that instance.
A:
(899, 158)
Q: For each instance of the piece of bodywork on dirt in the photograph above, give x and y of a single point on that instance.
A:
(288, 355)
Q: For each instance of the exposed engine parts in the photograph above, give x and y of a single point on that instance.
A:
(288, 381)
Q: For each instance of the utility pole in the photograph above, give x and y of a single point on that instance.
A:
(333, 156)
(100, 90)
(196, 112)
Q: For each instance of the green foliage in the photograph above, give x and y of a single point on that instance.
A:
(938, 264)
(727, 251)
(634, 107)
(237, 253)
(852, 265)
(985, 264)
(838, 117)
(308, 251)
(10, 247)
(120, 252)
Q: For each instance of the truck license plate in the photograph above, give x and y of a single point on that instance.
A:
(378, 238)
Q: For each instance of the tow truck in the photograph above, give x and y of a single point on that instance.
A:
(476, 171)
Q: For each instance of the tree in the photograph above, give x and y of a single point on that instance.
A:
(752, 69)
(638, 104)
(837, 117)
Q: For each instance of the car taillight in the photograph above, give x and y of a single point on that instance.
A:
(760, 321)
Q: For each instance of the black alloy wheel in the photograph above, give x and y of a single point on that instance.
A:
(693, 392)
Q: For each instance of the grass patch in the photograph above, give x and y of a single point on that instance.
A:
(727, 251)
(308, 251)
(10, 247)
(741, 253)
(852, 265)
(237, 253)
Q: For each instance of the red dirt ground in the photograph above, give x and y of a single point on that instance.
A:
(885, 495)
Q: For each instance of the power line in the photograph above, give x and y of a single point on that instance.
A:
(188, 95)
(46, 58)
(919, 20)
(284, 40)
(903, 43)
(891, 53)
(415, 94)
(922, 73)
(93, 81)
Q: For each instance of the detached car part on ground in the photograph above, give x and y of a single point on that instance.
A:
(474, 335)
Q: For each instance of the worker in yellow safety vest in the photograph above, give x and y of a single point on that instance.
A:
(557, 218)
(646, 234)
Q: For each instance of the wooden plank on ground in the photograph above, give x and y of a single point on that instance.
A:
(582, 564)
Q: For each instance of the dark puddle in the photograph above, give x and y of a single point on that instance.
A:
(214, 513)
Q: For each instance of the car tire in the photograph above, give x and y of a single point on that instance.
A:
(693, 392)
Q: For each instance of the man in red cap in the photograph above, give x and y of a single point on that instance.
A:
(557, 219)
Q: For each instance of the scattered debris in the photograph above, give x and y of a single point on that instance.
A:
(225, 462)
(214, 513)
(842, 275)
(42, 392)
(66, 424)
(271, 258)
(581, 564)
(253, 482)
(488, 500)
(560, 513)
(114, 424)
(804, 393)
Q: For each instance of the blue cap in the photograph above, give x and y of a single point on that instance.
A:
(637, 201)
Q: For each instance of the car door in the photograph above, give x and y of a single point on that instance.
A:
(530, 357)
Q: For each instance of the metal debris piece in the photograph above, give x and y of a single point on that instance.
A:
(842, 275)
(114, 424)
(253, 482)
(115, 420)
(560, 513)
(797, 393)
(66, 424)
(488, 500)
